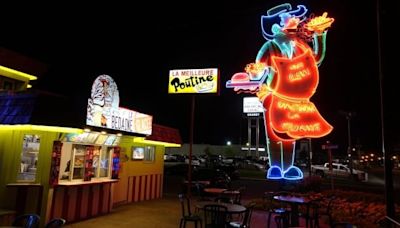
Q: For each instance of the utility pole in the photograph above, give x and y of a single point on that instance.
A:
(348, 117)
(389, 192)
(309, 157)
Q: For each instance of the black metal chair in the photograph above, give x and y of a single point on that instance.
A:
(342, 225)
(328, 211)
(281, 213)
(27, 221)
(187, 215)
(311, 213)
(223, 199)
(55, 223)
(215, 216)
(245, 223)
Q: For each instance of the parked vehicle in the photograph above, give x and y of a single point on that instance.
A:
(177, 169)
(217, 177)
(339, 170)
(231, 170)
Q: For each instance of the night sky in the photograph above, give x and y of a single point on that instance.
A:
(137, 45)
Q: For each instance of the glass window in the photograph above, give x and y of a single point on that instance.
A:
(149, 154)
(78, 160)
(96, 161)
(29, 158)
(105, 162)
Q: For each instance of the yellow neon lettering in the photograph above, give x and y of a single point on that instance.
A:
(296, 66)
(299, 75)
(301, 127)
(296, 107)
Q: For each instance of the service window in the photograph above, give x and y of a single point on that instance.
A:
(104, 162)
(149, 154)
(29, 158)
(78, 162)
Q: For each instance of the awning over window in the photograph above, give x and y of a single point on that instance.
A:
(165, 134)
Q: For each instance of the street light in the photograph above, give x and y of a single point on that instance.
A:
(228, 143)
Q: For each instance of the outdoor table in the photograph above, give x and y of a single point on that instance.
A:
(231, 192)
(231, 208)
(294, 201)
(204, 182)
(215, 190)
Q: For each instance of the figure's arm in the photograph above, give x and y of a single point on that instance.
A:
(318, 26)
(319, 46)
(269, 49)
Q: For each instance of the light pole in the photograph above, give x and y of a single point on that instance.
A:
(348, 117)
(389, 192)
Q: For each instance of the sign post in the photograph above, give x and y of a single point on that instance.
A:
(194, 82)
(328, 146)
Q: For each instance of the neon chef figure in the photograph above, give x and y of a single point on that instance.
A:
(284, 77)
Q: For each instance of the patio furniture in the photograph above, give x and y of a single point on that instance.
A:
(234, 195)
(282, 212)
(294, 201)
(215, 216)
(343, 225)
(187, 215)
(223, 199)
(27, 221)
(328, 211)
(55, 223)
(245, 223)
(311, 214)
(231, 208)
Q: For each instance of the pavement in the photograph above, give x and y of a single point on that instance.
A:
(159, 213)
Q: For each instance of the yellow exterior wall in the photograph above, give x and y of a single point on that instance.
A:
(10, 157)
(135, 174)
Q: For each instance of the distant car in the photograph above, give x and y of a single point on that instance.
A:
(231, 170)
(338, 170)
(195, 161)
(217, 177)
(180, 169)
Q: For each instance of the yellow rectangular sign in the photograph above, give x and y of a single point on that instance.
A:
(193, 81)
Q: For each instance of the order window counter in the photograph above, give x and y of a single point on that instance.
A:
(87, 166)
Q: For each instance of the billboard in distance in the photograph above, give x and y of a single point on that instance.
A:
(252, 105)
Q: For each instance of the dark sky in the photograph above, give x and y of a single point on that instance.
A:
(137, 45)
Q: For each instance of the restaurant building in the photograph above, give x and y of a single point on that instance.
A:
(76, 171)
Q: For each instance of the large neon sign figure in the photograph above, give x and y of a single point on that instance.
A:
(284, 77)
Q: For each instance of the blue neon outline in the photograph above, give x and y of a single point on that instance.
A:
(268, 36)
(273, 177)
(293, 178)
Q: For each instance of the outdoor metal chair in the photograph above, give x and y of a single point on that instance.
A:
(55, 223)
(282, 213)
(187, 215)
(215, 216)
(223, 199)
(342, 225)
(245, 223)
(27, 221)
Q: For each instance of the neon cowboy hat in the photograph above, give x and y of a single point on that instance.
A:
(274, 17)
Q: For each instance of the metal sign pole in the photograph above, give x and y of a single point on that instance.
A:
(330, 166)
(189, 192)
